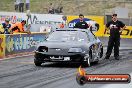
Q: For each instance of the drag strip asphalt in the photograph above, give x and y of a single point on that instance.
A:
(20, 72)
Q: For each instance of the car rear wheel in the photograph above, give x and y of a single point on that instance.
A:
(99, 55)
(37, 63)
(97, 27)
(88, 62)
(93, 55)
(96, 62)
(101, 52)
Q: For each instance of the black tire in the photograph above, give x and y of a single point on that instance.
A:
(90, 54)
(37, 63)
(97, 26)
(101, 53)
(91, 57)
(96, 62)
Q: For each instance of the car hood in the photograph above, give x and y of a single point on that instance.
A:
(65, 45)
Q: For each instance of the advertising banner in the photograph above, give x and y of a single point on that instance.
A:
(36, 20)
(97, 22)
(2, 46)
(126, 33)
(21, 43)
(39, 20)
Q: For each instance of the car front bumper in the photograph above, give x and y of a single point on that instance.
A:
(71, 57)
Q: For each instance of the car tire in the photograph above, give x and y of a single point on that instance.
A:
(37, 63)
(91, 55)
(101, 52)
(97, 26)
(100, 55)
(96, 62)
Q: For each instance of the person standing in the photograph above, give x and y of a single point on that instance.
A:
(1, 29)
(29, 17)
(51, 9)
(21, 6)
(115, 27)
(6, 26)
(16, 5)
(27, 4)
(81, 24)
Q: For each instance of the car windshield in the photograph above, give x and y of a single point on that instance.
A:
(68, 36)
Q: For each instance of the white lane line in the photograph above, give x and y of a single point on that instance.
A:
(16, 57)
(26, 62)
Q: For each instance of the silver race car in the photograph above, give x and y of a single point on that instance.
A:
(69, 45)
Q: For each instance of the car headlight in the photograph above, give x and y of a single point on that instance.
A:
(42, 49)
(76, 50)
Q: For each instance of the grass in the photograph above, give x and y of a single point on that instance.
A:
(71, 7)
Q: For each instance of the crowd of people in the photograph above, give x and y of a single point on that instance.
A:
(22, 5)
(115, 27)
(18, 27)
(19, 5)
(53, 10)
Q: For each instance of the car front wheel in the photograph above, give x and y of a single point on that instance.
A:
(37, 63)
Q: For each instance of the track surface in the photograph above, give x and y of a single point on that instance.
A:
(22, 73)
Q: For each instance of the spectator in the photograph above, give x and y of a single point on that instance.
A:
(61, 25)
(1, 29)
(17, 4)
(115, 27)
(6, 26)
(27, 4)
(59, 9)
(81, 24)
(18, 27)
(29, 17)
(21, 6)
(51, 9)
